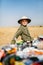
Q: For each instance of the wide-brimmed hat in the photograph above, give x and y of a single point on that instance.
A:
(24, 18)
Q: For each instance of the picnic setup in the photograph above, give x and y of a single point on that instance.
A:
(22, 53)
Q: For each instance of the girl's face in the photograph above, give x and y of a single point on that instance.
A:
(24, 22)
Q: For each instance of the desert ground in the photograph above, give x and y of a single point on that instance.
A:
(7, 33)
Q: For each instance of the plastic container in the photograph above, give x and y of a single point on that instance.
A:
(19, 63)
(28, 62)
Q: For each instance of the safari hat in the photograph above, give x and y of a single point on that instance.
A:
(24, 18)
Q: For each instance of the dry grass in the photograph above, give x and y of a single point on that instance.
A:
(7, 33)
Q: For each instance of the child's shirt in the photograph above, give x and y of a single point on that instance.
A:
(24, 33)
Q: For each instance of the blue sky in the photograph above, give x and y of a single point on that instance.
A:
(12, 10)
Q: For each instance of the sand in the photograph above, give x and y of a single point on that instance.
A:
(7, 33)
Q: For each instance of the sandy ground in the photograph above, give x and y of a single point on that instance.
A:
(7, 33)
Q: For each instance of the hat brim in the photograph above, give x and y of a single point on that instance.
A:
(28, 20)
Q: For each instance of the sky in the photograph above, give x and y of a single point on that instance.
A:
(12, 10)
